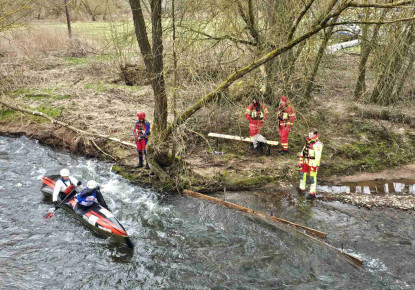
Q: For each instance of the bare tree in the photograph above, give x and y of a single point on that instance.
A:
(385, 84)
(153, 57)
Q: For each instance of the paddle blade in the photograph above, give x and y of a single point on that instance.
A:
(50, 213)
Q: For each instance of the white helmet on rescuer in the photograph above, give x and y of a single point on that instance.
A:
(92, 184)
(64, 172)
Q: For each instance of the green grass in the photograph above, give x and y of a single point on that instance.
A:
(103, 87)
(380, 149)
(50, 111)
(72, 61)
(9, 115)
(12, 116)
(90, 30)
(77, 60)
(40, 94)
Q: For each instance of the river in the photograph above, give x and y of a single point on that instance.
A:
(185, 243)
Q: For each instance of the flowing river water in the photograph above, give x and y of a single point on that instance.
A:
(186, 243)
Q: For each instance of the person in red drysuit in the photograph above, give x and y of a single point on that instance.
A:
(286, 117)
(256, 113)
(141, 132)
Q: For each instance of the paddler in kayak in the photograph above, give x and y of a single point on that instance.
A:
(89, 194)
(64, 185)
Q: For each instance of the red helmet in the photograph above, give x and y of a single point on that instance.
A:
(141, 116)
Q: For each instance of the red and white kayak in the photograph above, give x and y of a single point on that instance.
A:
(96, 217)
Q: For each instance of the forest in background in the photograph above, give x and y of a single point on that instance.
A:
(202, 63)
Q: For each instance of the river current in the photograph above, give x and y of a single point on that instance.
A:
(180, 242)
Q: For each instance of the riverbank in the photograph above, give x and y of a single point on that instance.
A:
(88, 91)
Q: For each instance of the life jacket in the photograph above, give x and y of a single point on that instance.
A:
(140, 128)
(87, 197)
(69, 187)
(283, 115)
(256, 112)
(308, 151)
(286, 115)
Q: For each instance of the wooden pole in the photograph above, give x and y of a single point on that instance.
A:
(257, 213)
(239, 138)
(315, 233)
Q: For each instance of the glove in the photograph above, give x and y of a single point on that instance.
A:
(299, 165)
(79, 183)
(56, 205)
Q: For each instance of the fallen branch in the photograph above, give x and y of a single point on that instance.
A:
(54, 121)
(106, 154)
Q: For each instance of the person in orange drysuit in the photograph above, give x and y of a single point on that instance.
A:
(286, 117)
(256, 113)
(309, 162)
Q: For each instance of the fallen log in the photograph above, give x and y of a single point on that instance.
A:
(315, 233)
(239, 138)
(248, 210)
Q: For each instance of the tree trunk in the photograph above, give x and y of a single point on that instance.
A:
(321, 50)
(383, 91)
(366, 48)
(68, 19)
(159, 87)
(141, 34)
(405, 75)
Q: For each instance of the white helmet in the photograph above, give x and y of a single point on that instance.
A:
(64, 172)
(91, 184)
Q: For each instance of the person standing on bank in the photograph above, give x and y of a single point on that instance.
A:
(309, 162)
(256, 113)
(141, 132)
(286, 117)
(64, 185)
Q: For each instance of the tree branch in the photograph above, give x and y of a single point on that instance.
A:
(379, 5)
(267, 57)
(371, 22)
(224, 37)
(54, 121)
(298, 19)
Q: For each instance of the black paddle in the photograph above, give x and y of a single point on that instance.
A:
(51, 211)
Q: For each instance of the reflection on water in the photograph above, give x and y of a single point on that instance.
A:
(400, 187)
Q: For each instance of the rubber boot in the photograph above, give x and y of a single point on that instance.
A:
(301, 191)
(251, 146)
(268, 150)
(140, 162)
(260, 147)
(311, 196)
